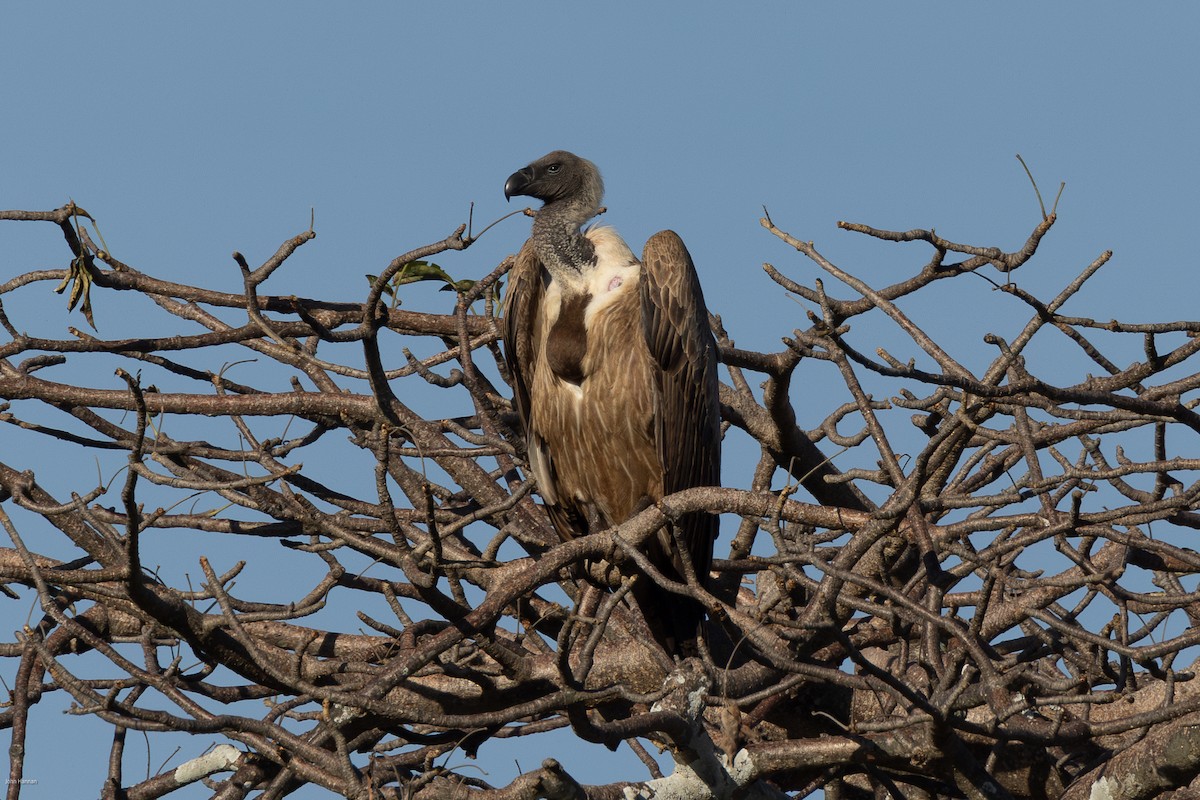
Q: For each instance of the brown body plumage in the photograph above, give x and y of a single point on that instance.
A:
(615, 373)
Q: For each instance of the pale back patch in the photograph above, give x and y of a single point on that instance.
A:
(616, 272)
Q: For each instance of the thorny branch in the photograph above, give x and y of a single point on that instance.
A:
(970, 580)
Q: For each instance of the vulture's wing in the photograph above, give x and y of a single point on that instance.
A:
(522, 305)
(521, 302)
(687, 419)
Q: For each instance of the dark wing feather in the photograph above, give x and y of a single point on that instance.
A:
(687, 418)
(521, 303)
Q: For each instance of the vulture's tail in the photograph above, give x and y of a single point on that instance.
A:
(677, 621)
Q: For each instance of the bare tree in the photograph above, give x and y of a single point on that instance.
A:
(970, 585)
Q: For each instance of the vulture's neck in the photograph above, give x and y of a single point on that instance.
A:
(559, 242)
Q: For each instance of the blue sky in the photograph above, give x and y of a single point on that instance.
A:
(192, 132)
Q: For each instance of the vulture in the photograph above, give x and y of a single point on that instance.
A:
(614, 369)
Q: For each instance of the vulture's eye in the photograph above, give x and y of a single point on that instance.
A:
(553, 168)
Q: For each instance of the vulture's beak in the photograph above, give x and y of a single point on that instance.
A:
(516, 183)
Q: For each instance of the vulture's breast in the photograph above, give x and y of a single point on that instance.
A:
(597, 419)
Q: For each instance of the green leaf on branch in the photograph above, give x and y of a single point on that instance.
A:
(416, 271)
(79, 278)
(80, 281)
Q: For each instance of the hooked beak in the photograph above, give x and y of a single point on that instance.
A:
(517, 183)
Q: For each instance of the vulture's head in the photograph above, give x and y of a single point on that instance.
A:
(558, 177)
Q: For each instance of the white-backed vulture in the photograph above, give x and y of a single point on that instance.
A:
(615, 374)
